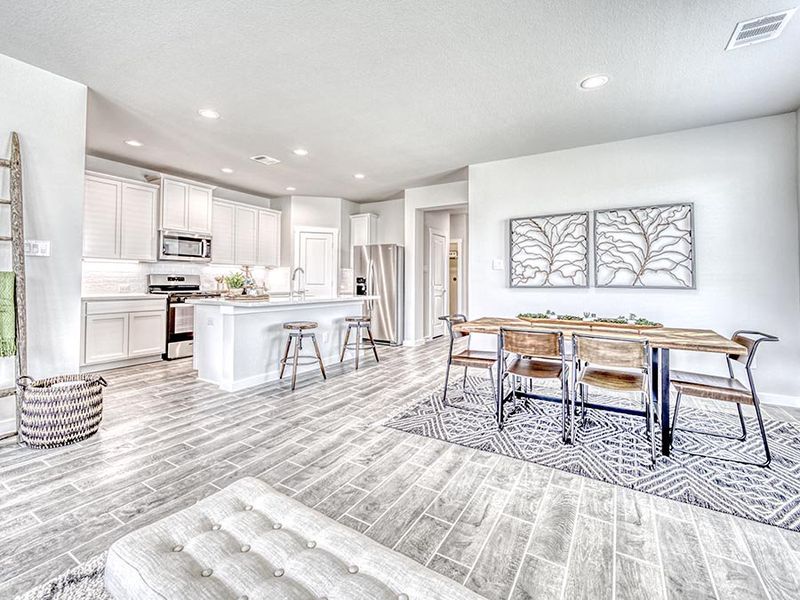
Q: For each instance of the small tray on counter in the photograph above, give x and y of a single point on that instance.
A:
(589, 324)
(246, 298)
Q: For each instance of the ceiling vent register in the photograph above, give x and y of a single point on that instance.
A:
(762, 29)
(264, 159)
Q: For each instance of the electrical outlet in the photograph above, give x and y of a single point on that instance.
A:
(497, 264)
(37, 247)
(326, 337)
(124, 288)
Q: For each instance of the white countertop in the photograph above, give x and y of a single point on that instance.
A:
(280, 302)
(123, 296)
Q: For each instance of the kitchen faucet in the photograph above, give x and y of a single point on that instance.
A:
(301, 292)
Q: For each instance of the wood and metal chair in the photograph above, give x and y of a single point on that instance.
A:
(535, 355)
(298, 331)
(725, 389)
(460, 355)
(615, 364)
(362, 325)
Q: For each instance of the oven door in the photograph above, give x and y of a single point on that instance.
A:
(180, 331)
(185, 246)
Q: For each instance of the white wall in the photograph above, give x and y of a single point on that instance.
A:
(743, 180)
(418, 200)
(459, 229)
(391, 224)
(49, 113)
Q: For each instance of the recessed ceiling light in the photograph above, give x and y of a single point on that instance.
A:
(290, 189)
(226, 170)
(593, 82)
(134, 143)
(300, 151)
(359, 176)
(208, 113)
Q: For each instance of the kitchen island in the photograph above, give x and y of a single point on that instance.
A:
(239, 343)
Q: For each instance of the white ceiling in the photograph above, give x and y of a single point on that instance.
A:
(406, 91)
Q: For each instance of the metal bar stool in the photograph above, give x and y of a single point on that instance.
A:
(297, 331)
(359, 323)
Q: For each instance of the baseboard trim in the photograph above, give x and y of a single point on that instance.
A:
(780, 400)
(7, 426)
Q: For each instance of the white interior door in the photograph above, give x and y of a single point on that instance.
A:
(437, 270)
(316, 253)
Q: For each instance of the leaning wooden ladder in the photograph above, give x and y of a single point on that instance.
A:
(17, 239)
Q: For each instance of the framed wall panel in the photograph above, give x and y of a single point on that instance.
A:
(549, 251)
(645, 247)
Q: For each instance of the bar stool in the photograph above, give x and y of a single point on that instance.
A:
(297, 331)
(359, 323)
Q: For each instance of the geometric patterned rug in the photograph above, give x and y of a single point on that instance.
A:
(612, 447)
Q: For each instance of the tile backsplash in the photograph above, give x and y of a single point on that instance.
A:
(112, 277)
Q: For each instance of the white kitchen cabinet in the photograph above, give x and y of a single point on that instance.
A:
(223, 227)
(106, 338)
(138, 224)
(246, 235)
(269, 238)
(363, 229)
(185, 205)
(101, 203)
(119, 218)
(116, 332)
(146, 333)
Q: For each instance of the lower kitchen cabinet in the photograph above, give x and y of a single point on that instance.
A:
(118, 331)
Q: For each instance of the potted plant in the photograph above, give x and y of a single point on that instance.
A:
(235, 283)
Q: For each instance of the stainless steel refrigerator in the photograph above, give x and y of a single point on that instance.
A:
(379, 270)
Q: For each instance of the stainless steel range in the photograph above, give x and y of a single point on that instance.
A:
(180, 316)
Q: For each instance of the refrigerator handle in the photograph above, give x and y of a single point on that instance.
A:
(370, 285)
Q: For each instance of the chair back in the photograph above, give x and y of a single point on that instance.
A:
(750, 340)
(611, 352)
(452, 321)
(539, 344)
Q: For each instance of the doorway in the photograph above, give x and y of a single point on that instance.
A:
(437, 280)
(316, 253)
(456, 287)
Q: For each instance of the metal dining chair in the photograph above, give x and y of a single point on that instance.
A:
(615, 364)
(725, 389)
(535, 355)
(460, 355)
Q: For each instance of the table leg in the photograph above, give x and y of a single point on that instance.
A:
(663, 398)
(499, 387)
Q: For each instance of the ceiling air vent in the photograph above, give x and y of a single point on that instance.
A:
(264, 159)
(759, 30)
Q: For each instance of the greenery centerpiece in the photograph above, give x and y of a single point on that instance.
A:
(235, 282)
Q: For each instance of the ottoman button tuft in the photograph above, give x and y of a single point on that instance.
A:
(246, 548)
(248, 507)
(402, 597)
(311, 544)
(177, 548)
(278, 572)
(216, 527)
(206, 572)
(243, 597)
(352, 569)
(276, 525)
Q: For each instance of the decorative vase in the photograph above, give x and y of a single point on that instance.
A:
(236, 291)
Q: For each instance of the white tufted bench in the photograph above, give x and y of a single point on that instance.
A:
(249, 542)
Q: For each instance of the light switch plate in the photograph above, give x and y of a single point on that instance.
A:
(37, 247)
(497, 264)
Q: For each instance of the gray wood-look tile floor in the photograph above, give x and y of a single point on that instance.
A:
(505, 528)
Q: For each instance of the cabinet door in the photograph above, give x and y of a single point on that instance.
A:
(101, 218)
(174, 201)
(359, 230)
(246, 223)
(269, 238)
(147, 333)
(106, 338)
(199, 209)
(222, 233)
(138, 222)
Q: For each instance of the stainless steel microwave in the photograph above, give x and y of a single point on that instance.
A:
(182, 245)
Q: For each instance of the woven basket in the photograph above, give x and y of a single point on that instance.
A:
(62, 410)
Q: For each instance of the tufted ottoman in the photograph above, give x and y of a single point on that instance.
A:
(249, 542)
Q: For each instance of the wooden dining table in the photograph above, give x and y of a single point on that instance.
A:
(662, 340)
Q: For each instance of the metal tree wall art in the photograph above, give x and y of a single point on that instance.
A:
(650, 247)
(550, 251)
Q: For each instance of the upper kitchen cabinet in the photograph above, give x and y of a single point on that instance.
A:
(363, 229)
(242, 234)
(119, 218)
(185, 205)
(269, 238)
